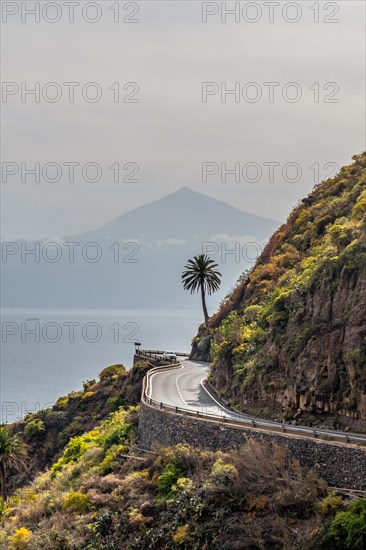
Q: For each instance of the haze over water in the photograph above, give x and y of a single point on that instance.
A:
(35, 373)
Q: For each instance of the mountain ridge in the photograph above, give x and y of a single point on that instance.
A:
(141, 257)
(175, 207)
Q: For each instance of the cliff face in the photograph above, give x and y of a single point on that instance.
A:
(293, 333)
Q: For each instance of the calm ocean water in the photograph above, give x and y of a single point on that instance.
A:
(48, 353)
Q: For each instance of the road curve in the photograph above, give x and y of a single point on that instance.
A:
(183, 388)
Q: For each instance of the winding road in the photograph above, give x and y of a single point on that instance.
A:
(182, 388)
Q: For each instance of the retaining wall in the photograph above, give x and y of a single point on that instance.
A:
(339, 465)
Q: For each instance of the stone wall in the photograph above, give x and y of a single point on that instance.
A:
(338, 465)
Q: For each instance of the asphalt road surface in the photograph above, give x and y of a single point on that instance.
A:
(183, 388)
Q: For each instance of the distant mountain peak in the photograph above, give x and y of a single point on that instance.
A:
(179, 215)
(185, 190)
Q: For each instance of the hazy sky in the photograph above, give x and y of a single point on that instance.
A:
(170, 131)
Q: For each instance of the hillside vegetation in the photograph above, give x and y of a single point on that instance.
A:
(48, 431)
(104, 493)
(291, 337)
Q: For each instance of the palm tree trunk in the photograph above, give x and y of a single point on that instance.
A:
(204, 307)
(3, 481)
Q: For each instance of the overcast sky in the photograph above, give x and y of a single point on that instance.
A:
(170, 132)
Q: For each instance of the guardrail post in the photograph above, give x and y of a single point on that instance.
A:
(314, 432)
(253, 424)
(161, 405)
(283, 428)
(176, 409)
(347, 439)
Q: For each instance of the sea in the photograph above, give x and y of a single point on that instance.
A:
(47, 353)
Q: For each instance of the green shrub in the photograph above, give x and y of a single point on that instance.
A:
(62, 402)
(104, 524)
(76, 502)
(184, 485)
(348, 529)
(119, 428)
(76, 449)
(330, 504)
(112, 372)
(168, 478)
(110, 458)
(341, 235)
(222, 473)
(359, 210)
(114, 402)
(35, 428)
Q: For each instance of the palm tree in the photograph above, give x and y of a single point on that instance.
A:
(201, 275)
(13, 454)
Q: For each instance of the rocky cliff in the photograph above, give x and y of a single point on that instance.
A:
(292, 335)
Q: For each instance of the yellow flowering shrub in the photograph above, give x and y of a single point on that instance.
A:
(20, 539)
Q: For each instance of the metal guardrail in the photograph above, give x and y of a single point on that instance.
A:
(157, 352)
(322, 436)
